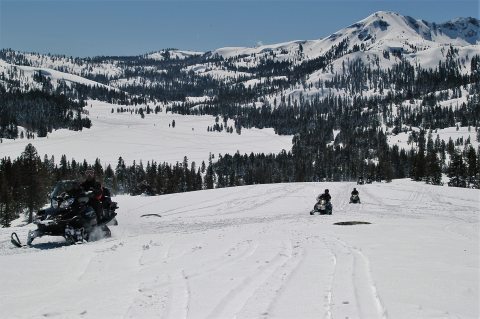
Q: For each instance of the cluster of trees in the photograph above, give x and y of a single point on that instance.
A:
(38, 112)
(22, 185)
(412, 81)
(138, 110)
(25, 181)
(219, 127)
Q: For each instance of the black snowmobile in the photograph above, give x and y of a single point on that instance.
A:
(70, 216)
(354, 199)
(322, 207)
(360, 181)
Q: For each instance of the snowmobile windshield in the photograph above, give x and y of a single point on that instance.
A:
(69, 187)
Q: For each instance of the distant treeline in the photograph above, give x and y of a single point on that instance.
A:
(26, 180)
(38, 112)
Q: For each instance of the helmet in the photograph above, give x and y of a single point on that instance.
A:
(326, 191)
(354, 189)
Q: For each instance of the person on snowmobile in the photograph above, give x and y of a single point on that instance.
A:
(354, 198)
(328, 205)
(91, 184)
(355, 192)
(326, 196)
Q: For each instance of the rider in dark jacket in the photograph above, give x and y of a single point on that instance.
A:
(326, 196)
(91, 184)
(354, 198)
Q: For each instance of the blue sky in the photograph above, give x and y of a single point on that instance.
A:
(121, 27)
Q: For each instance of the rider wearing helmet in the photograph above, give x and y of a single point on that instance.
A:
(354, 198)
(91, 184)
(326, 196)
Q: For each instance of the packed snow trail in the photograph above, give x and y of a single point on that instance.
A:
(255, 252)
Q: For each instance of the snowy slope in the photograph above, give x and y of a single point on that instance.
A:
(69, 64)
(381, 30)
(173, 54)
(419, 42)
(254, 252)
(122, 134)
(401, 139)
(26, 73)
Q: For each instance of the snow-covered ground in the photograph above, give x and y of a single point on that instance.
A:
(401, 139)
(128, 135)
(255, 252)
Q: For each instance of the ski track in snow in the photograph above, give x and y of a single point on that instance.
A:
(352, 270)
(255, 252)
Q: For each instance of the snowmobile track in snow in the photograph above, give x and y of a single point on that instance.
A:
(353, 292)
(252, 252)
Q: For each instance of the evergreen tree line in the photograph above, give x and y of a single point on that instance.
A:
(38, 112)
(26, 180)
(289, 116)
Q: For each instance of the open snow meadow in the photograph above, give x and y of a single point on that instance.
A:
(255, 252)
(121, 134)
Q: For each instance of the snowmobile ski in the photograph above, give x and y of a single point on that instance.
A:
(15, 240)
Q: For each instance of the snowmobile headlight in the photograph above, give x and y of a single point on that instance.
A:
(66, 203)
(54, 203)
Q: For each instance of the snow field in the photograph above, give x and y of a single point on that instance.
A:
(128, 135)
(255, 252)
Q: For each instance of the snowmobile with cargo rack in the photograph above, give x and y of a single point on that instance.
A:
(71, 216)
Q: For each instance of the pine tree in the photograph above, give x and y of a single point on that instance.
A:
(121, 174)
(457, 170)
(7, 213)
(471, 165)
(420, 166)
(32, 180)
(109, 179)
(434, 170)
(98, 169)
(209, 176)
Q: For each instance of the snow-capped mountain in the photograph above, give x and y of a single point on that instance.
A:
(379, 31)
(382, 39)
